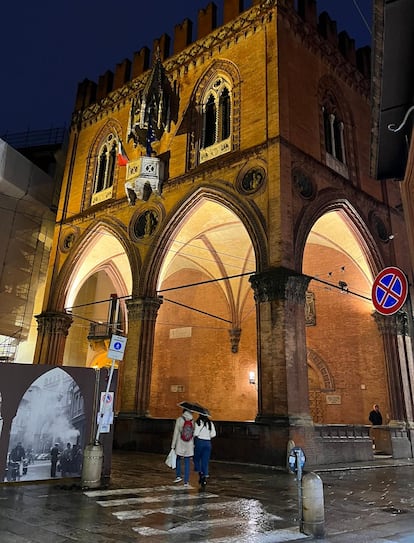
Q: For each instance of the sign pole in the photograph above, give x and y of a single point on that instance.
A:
(101, 411)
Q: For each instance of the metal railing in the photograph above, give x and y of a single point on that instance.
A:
(35, 138)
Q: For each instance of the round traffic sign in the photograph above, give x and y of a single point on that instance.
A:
(117, 345)
(389, 290)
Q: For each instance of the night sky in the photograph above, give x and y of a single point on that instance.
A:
(48, 47)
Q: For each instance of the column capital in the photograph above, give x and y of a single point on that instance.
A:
(144, 308)
(396, 324)
(54, 322)
(279, 284)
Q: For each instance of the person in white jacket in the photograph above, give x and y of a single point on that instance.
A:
(204, 431)
(184, 448)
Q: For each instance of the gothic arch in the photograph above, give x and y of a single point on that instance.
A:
(329, 90)
(253, 223)
(332, 200)
(107, 226)
(112, 126)
(230, 71)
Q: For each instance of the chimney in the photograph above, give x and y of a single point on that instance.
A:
(122, 73)
(140, 62)
(105, 83)
(207, 20)
(183, 34)
(231, 10)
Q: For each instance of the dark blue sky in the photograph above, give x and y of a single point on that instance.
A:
(48, 47)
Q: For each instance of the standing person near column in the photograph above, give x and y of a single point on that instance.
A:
(204, 432)
(183, 444)
(375, 416)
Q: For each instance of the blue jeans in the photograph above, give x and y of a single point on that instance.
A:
(202, 455)
(186, 468)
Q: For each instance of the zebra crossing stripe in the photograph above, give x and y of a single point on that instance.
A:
(275, 536)
(182, 509)
(193, 526)
(153, 499)
(140, 490)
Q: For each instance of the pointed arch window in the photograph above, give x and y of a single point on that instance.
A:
(334, 137)
(209, 121)
(334, 133)
(216, 119)
(105, 170)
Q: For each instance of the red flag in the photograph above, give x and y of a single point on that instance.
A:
(122, 156)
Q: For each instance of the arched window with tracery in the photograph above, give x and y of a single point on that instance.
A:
(105, 170)
(216, 119)
(334, 135)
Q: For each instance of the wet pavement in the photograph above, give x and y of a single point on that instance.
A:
(372, 502)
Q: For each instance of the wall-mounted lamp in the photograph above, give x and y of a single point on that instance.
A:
(252, 377)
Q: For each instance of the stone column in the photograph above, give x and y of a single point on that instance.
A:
(52, 330)
(399, 363)
(283, 392)
(137, 365)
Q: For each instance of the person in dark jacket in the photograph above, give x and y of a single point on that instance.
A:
(54, 457)
(375, 416)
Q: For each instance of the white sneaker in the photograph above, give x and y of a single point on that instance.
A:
(186, 485)
(178, 479)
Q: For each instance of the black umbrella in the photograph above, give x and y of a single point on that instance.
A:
(195, 407)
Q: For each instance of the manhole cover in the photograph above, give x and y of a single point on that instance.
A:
(394, 510)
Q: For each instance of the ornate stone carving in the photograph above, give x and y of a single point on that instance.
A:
(396, 324)
(379, 227)
(69, 237)
(54, 323)
(310, 310)
(144, 177)
(144, 225)
(252, 181)
(151, 109)
(303, 184)
(279, 284)
(145, 309)
(235, 334)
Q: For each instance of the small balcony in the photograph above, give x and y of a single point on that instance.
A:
(101, 331)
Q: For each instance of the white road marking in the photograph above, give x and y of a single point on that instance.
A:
(141, 490)
(154, 499)
(193, 526)
(182, 509)
(241, 513)
(275, 536)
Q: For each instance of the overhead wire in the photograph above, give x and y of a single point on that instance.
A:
(362, 17)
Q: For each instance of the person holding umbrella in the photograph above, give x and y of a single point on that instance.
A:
(183, 442)
(204, 431)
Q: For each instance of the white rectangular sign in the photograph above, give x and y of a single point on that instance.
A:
(117, 347)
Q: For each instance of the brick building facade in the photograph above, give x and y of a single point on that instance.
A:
(237, 245)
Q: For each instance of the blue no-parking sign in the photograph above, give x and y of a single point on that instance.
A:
(389, 290)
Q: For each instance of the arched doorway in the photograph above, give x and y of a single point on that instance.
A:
(97, 287)
(205, 337)
(342, 337)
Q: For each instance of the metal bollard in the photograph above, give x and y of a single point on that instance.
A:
(313, 505)
(92, 466)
